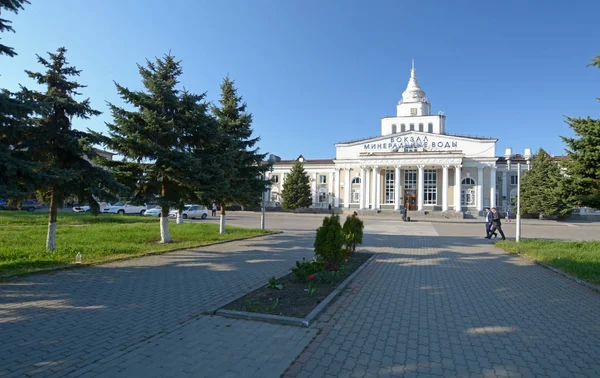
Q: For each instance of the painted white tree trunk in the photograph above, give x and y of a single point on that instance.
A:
(180, 217)
(165, 236)
(51, 238)
(222, 224)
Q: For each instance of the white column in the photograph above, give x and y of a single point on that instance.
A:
(504, 202)
(367, 187)
(480, 189)
(314, 189)
(457, 188)
(377, 188)
(397, 188)
(444, 188)
(420, 184)
(363, 185)
(347, 189)
(493, 187)
(330, 187)
(338, 181)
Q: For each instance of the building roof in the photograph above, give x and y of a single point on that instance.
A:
(306, 162)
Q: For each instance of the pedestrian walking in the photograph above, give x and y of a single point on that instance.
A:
(214, 209)
(489, 217)
(508, 215)
(403, 213)
(496, 224)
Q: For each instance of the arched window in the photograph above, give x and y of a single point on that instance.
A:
(468, 190)
(402, 127)
(393, 129)
(356, 180)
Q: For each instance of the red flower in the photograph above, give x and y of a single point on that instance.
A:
(346, 260)
(326, 266)
(304, 259)
(310, 278)
(334, 268)
(345, 255)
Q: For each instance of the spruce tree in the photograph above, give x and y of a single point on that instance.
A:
(165, 141)
(63, 155)
(242, 163)
(11, 6)
(296, 189)
(544, 189)
(17, 177)
(583, 165)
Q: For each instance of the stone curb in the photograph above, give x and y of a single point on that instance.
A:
(590, 286)
(298, 322)
(8, 277)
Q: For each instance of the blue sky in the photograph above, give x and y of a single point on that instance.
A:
(318, 72)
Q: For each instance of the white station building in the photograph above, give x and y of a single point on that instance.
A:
(415, 163)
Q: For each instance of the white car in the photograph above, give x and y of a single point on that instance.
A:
(125, 208)
(86, 208)
(154, 212)
(191, 211)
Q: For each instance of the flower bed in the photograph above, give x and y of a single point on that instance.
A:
(298, 293)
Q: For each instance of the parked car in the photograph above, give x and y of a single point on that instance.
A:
(125, 208)
(153, 212)
(29, 205)
(86, 208)
(191, 211)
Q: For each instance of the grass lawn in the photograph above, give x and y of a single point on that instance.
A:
(99, 239)
(578, 258)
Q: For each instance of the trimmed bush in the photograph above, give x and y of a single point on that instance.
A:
(353, 232)
(329, 242)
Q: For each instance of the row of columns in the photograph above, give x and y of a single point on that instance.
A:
(366, 197)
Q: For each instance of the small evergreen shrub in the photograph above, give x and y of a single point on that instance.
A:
(304, 269)
(329, 242)
(353, 232)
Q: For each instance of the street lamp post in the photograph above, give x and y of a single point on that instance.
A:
(518, 231)
(262, 216)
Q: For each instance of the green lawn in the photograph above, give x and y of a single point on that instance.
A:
(578, 258)
(99, 239)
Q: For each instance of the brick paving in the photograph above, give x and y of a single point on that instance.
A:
(105, 319)
(451, 306)
(438, 301)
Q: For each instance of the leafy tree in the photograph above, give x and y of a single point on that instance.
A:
(63, 155)
(163, 141)
(243, 165)
(544, 189)
(11, 6)
(584, 164)
(296, 189)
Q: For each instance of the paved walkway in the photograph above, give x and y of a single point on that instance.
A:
(143, 317)
(438, 301)
(454, 306)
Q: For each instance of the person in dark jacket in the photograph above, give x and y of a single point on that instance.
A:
(496, 224)
(488, 223)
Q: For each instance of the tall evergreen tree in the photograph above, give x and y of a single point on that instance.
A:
(165, 142)
(64, 155)
(242, 163)
(11, 6)
(17, 177)
(584, 163)
(296, 189)
(544, 188)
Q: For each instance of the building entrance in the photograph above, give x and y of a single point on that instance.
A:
(410, 199)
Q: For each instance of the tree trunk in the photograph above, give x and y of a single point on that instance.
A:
(222, 220)
(165, 236)
(180, 217)
(51, 238)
